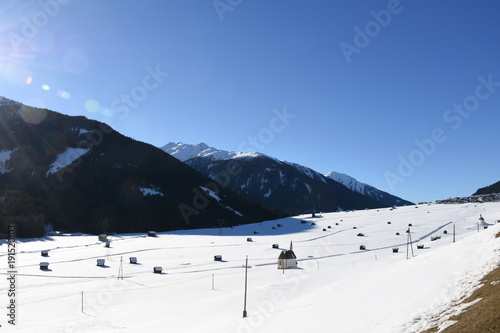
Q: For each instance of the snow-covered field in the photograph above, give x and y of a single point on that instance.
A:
(336, 288)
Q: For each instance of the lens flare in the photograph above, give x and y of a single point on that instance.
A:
(33, 116)
(16, 75)
(92, 106)
(107, 112)
(63, 94)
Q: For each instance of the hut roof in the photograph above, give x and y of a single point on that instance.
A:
(288, 254)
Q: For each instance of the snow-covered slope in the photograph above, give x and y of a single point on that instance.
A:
(336, 288)
(365, 189)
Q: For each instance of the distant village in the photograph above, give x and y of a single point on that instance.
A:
(492, 197)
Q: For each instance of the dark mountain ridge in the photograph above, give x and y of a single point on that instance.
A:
(80, 175)
(283, 186)
(494, 188)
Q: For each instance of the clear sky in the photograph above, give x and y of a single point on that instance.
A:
(402, 95)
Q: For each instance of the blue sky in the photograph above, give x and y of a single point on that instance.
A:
(402, 95)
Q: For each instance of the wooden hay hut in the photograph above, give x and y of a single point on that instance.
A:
(395, 249)
(152, 234)
(249, 239)
(276, 246)
(101, 262)
(362, 247)
(45, 253)
(218, 257)
(44, 265)
(157, 269)
(103, 237)
(133, 260)
(420, 246)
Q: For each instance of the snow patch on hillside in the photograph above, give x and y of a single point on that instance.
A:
(66, 158)
(150, 191)
(219, 200)
(4, 157)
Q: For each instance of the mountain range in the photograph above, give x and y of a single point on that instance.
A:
(74, 174)
(79, 175)
(279, 185)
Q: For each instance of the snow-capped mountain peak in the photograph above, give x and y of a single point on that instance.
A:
(365, 189)
(185, 152)
(348, 181)
(280, 185)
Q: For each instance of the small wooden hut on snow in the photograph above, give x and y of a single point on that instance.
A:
(287, 259)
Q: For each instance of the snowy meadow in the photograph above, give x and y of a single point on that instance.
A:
(358, 271)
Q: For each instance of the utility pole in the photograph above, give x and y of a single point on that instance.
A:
(409, 244)
(220, 222)
(453, 232)
(246, 280)
(120, 270)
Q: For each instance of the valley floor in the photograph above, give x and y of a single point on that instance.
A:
(337, 287)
